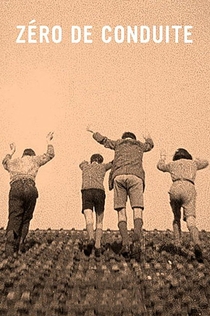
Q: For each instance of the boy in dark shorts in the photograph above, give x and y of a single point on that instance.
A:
(93, 198)
(183, 194)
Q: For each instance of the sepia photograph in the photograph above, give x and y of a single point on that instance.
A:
(105, 183)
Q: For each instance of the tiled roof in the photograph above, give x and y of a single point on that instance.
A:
(55, 277)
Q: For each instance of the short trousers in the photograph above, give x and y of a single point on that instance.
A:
(183, 194)
(93, 199)
(128, 186)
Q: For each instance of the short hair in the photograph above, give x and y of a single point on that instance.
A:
(96, 157)
(29, 152)
(128, 135)
(181, 153)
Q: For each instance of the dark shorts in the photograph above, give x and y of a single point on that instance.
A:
(93, 199)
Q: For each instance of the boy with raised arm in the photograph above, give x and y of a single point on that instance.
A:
(183, 194)
(127, 177)
(23, 192)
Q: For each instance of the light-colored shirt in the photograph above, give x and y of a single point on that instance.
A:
(26, 167)
(183, 169)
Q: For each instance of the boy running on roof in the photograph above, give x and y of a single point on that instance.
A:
(23, 192)
(127, 177)
(183, 194)
(93, 198)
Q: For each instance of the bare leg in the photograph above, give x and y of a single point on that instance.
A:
(176, 208)
(99, 229)
(191, 225)
(88, 213)
(194, 232)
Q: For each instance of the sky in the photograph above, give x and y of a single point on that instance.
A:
(161, 89)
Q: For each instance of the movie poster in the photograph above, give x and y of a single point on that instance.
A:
(139, 66)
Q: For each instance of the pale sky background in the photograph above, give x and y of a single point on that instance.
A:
(158, 88)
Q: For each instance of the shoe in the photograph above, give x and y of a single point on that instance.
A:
(22, 247)
(89, 247)
(125, 250)
(97, 252)
(177, 250)
(198, 253)
(136, 250)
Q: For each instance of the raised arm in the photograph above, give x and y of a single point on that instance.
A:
(161, 165)
(201, 163)
(103, 140)
(83, 164)
(43, 159)
(8, 157)
(148, 144)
